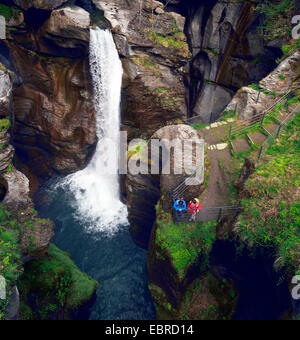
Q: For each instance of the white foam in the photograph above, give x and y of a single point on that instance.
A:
(97, 188)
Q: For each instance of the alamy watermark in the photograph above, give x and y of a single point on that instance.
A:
(2, 288)
(296, 289)
(156, 157)
(2, 27)
(296, 29)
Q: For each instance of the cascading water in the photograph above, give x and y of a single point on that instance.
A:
(96, 188)
(89, 201)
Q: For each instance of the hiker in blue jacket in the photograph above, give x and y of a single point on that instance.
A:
(180, 205)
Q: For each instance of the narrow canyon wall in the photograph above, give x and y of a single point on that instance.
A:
(154, 53)
(227, 51)
(54, 123)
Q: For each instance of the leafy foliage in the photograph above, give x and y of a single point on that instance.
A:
(185, 242)
(277, 18)
(56, 284)
(10, 256)
(8, 12)
(175, 41)
(271, 213)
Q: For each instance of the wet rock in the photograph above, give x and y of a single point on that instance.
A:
(12, 310)
(249, 102)
(67, 28)
(228, 53)
(42, 4)
(155, 51)
(283, 77)
(54, 113)
(17, 185)
(6, 157)
(5, 91)
(144, 191)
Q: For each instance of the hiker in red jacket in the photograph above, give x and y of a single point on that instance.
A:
(193, 208)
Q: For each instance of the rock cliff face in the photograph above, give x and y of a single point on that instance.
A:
(41, 4)
(34, 235)
(227, 51)
(25, 240)
(154, 53)
(54, 130)
(145, 190)
(180, 58)
(250, 101)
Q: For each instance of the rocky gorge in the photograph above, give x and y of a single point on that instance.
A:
(181, 59)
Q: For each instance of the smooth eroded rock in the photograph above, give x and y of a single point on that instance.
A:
(41, 4)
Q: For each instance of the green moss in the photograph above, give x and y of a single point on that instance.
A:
(4, 124)
(147, 63)
(13, 228)
(10, 255)
(175, 41)
(211, 51)
(228, 114)
(57, 284)
(8, 12)
(289, 49)
(164, 309)
(277, 23)
(208, 298)
(164, 96)
(10, 168)
(199, 126)
(184, 242)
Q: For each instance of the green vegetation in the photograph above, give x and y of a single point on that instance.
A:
(198, 126)
(164, 96)
(228, 114)
(208, 298)
(147, 63)
(289, 49)
(277, 23)
(282, 77)
(211, 51)
(10, 256)
(9, 12)
(55, 281)
(4, 124)
(257, 88)
(57, 285)
(175, 41)
(136, 149)
(184, 242)
(271, 213)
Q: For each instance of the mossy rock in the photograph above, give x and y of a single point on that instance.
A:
(208, 298)
(52, 287)
(183, 242)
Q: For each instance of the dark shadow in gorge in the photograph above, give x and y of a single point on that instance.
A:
(263, 293)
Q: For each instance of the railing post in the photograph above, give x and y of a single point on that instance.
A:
(263, 118)
(220, 214)
(278, 132)
(230, 132)
(235, 110)
(260, 153)
(258, 97)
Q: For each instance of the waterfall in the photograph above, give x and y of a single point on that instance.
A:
(97, 188)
